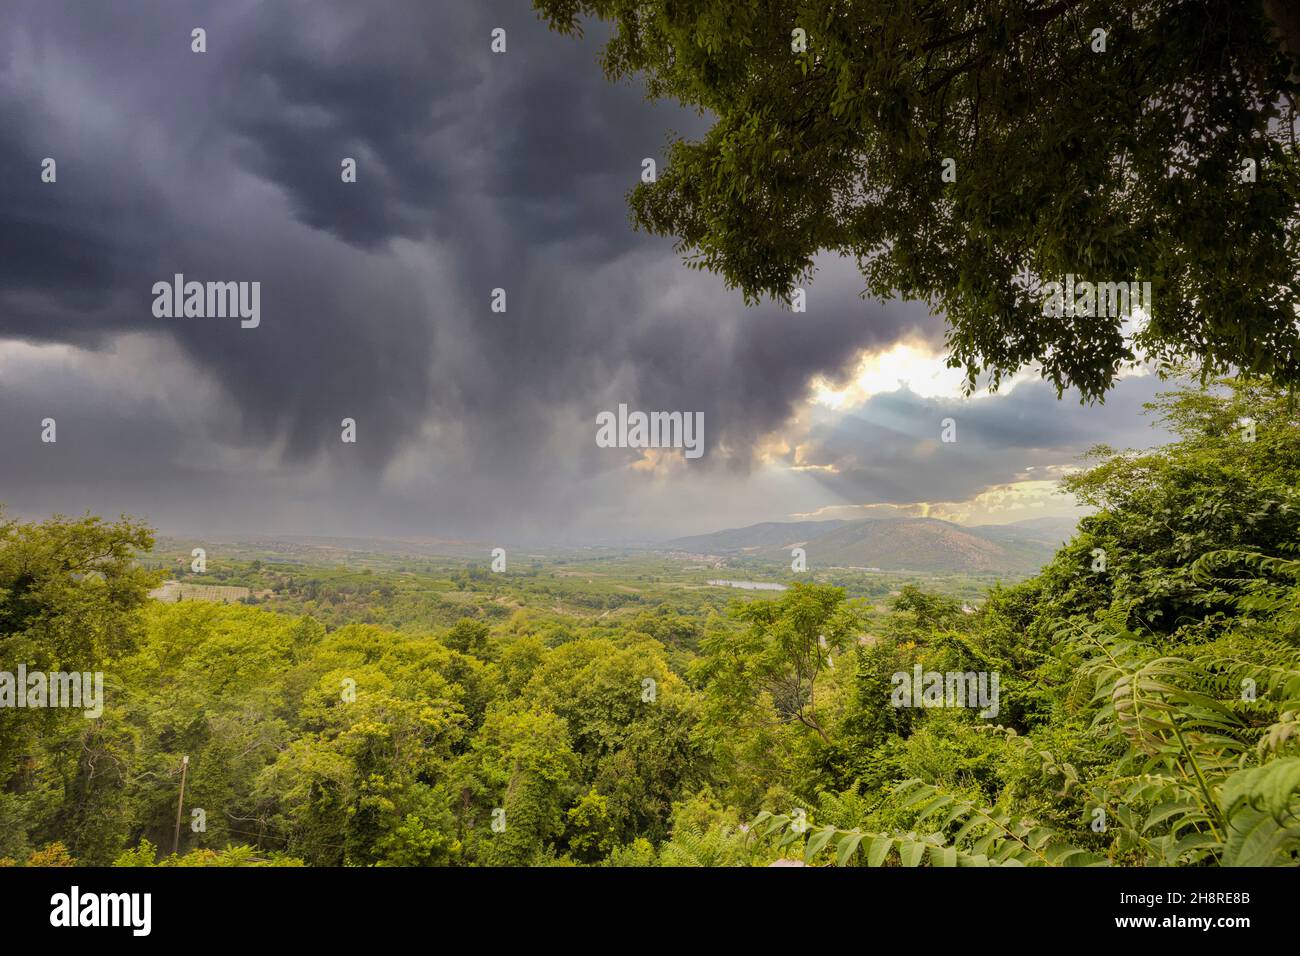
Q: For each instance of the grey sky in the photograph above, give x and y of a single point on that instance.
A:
(476, 171)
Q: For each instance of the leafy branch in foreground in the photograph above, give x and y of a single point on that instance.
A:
(981, 836)
(834, 140)
(1191, 752)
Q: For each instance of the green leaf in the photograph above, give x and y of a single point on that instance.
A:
(817, 842)
(848, 845)
(945, 856)
(879, 849)
(911, 854)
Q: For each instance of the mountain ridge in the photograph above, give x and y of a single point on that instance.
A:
(888, 544)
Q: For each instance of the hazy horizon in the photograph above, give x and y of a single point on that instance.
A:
(264, 536)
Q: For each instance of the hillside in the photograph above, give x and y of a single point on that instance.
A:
(768, 535)
(914, 544)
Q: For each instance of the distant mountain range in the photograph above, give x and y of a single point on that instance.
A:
(894, 544)
(890, 544)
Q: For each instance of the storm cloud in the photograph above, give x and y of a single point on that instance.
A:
(475, 171)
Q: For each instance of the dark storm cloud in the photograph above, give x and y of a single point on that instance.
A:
(475, 171)
(159, 173)
(391, 89)
(448, 135)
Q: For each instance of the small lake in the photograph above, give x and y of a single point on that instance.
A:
(749, 585)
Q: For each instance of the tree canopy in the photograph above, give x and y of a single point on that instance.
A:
(1112, 142)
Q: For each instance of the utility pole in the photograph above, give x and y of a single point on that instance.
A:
(176, 841)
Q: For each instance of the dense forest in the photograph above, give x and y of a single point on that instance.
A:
(1147, 707)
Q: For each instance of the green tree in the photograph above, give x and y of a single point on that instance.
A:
(468, 636)
(517, 775)
(69, 590)
(833, 123)
(632, 724)
(70, 595)
(1228, 480)
(770, 670)
(591, 831)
